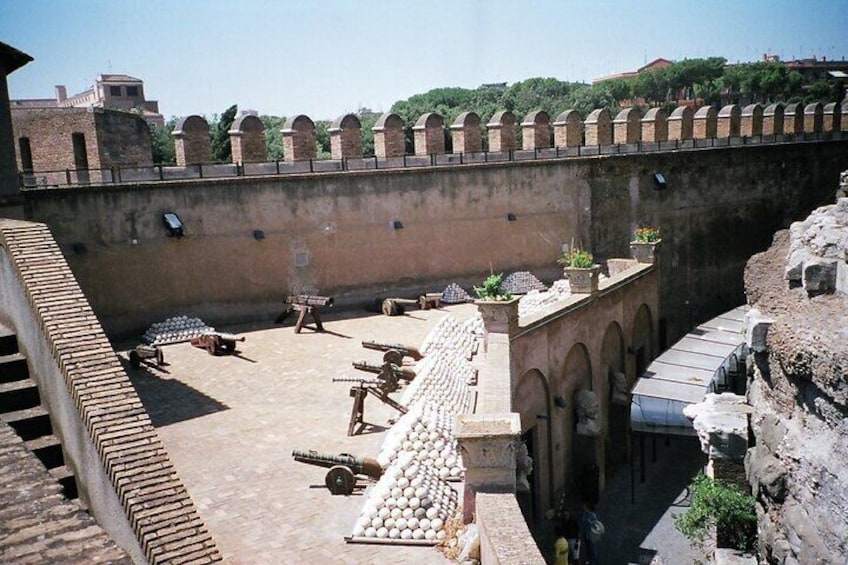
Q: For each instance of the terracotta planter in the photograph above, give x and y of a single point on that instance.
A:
(644, 252)
(499, 316)
(583, 281)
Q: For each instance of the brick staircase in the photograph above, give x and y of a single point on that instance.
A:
(21, 409)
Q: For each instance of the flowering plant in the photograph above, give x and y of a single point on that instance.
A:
(491, 289)
(576, 258)
(648, 234)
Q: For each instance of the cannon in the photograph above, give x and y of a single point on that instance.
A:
(142, 352)
(430, 300)
(379, 387)
(386, 367)
(396, 306)
(305, 304)
(403, 350)
(217, 342)
(345, 469)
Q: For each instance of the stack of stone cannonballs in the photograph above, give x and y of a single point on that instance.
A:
(455, 294)
(175, 330)
(444, 383)
(522, 282)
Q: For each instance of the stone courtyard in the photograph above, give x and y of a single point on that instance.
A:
(230, 424)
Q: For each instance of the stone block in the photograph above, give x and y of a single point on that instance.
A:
(756, 330)
(819, 275)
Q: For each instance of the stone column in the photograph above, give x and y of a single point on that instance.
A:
(501, 131)
(429, 135)
(346, 137)
(535, 131)
(626, 126)
(192, 144)
(773, 119)
(299, 142)
(247, 137)
(568, 129)
(680, 123)
(488, 444)
(465, 133)
(388, 136)
(598, 127)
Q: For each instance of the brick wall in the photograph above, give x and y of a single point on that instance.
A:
(626, 126)
(192, 144)
(680, 123)
(655, 125)
(346, 138)
(247, 138)
(598, 126)
(136, 470)
(568, 129)
(50, 133)
(704, 125)
(773, 119)
(466, 134)
(501, 130)
(728, 122)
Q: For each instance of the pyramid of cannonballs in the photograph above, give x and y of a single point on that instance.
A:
(455, 294)
(522, 282)
(442, 381)
(175, 330)
(451, 335)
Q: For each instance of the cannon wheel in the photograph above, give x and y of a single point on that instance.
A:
(160, 357)
(340, 480)
(135, 360)
(394, 357)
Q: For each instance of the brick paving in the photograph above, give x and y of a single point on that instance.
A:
(230, 423)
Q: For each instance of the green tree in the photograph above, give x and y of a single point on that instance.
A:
(273, 137)
(163, 143)
(222, 151)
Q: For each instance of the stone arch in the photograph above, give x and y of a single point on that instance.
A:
(299, 142)
(598, 127)
(531, 400)
(729, 118)
(501, 131)
(751, 123)
(626, 127)
(773, 119)
(577, 455)
(813, 117)
(641, 341)
(388, 136)
(832, 117)
(704, 123)
(568, 129)
(465, 133)
(192, 143)
(536, 131)
(655, 125)
(429, 134)
(615, 404)
(793, 119)
(247, 138)
(681, 123)
(346, 137)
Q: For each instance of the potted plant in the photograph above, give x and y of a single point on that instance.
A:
(644, 244)
(580, 269)
(497, 306)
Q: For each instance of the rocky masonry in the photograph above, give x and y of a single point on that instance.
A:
(798, 467)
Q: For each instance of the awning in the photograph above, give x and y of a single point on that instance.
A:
(703, 361)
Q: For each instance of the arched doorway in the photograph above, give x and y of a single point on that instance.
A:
(641, 345)
(531, 400)
(578, 470)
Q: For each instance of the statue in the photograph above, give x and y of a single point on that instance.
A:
(523, 467)
(588, 411)
(620, 392)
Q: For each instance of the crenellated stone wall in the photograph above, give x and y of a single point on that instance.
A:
(798, 468)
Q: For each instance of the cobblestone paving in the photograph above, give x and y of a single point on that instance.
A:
(231, 422)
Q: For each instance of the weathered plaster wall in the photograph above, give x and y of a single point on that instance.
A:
(721, 205)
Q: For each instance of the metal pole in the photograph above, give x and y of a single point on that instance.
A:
(642, 457)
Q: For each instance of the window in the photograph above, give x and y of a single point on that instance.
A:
(132, 91)
(26, 154)
(114, 90)
(80, 151)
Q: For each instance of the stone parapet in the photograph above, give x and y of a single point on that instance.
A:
(192, 144)
(505, 538)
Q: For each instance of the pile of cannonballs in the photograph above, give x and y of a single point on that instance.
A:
(175, 330)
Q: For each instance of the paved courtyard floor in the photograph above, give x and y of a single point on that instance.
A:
(230, 424)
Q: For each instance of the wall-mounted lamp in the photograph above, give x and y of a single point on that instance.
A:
(559, 401)
(258, 234)
(79, 248)
(660, 182)
(397, 225)
(173, 224)
(510, 217)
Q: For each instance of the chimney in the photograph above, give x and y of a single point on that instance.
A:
(61, 93)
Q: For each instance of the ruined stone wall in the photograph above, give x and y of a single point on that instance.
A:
(123, 139)
(799, 390)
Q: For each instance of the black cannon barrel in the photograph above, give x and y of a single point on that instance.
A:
(310, 300)
(359, 465)
(406, 350)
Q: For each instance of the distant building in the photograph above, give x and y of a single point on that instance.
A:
(115, 92)
(652, 66)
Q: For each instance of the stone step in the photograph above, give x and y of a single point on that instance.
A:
(8, 341)
(65, 476)
(18, 395)
(48, 449)
(13, 367)
(29, 423)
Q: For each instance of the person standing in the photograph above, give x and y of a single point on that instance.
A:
(591, 531)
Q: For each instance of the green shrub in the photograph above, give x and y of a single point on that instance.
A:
(491, 289)
(577, 259)
(723, 506)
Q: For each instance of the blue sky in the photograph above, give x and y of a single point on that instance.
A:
(327, 57)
